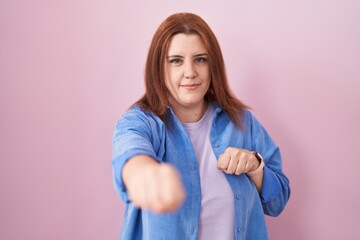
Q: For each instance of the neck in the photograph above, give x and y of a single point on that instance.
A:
(190, 114)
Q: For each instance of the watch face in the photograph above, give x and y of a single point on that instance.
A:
(258, 156)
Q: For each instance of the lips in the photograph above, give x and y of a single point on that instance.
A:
(192, 86)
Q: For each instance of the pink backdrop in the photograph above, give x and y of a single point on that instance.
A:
(69, 69)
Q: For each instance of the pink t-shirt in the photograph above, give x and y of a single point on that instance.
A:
(217, 200)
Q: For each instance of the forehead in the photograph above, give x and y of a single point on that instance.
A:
(183, 44)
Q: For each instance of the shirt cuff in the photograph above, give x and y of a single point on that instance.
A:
(271, 187)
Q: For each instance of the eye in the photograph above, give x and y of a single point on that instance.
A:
(175, 61)
(200, 60)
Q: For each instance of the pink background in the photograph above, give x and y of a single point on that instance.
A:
(69, 69)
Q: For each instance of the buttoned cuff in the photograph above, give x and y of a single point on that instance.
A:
(271, 186)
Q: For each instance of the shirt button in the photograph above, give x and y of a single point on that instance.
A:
(239, 229)
(217, 145)
(237, 196)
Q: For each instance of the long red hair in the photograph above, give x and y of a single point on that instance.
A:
(155, 98)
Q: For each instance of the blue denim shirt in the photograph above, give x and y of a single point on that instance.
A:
(142, 132)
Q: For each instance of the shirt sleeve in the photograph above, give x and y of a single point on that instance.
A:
(275, 190)
(135, 133)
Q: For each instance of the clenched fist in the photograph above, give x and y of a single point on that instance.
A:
(237, 161)
(153, 186)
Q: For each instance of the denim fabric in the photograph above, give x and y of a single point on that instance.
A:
(142, 132)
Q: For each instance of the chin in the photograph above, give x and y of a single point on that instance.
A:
(191, 103)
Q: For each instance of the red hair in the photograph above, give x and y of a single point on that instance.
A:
(156, 95)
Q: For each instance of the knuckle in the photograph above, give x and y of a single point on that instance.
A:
(158, 209)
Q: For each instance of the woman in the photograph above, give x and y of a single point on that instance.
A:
(190, 161)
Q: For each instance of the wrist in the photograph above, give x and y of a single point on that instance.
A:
(256, 164)
(259, 165)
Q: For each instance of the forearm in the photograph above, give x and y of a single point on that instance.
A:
(258, 180)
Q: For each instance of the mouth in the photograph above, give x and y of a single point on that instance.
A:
(190, 87)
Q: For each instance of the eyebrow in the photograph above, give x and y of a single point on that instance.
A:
(179, 56)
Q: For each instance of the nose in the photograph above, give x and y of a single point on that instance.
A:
(189, 70)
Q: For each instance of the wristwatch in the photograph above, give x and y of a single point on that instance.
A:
(261, 166)
(258, 156)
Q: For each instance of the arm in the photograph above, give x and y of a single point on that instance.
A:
(275, 191)
(271, 183)
(139, 178)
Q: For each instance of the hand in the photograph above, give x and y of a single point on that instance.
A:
(157, 188)
(237, 160)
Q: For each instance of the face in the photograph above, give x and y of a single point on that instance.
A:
(187, 75)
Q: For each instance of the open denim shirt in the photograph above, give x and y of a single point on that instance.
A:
(142, 132)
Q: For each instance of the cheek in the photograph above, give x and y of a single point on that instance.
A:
(168, 78)
(174, 77)
(205, 73)
(170, 82)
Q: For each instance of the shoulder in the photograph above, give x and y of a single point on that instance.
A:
(139, 118)
(246, 116)
(250, 121)
(135, 113)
